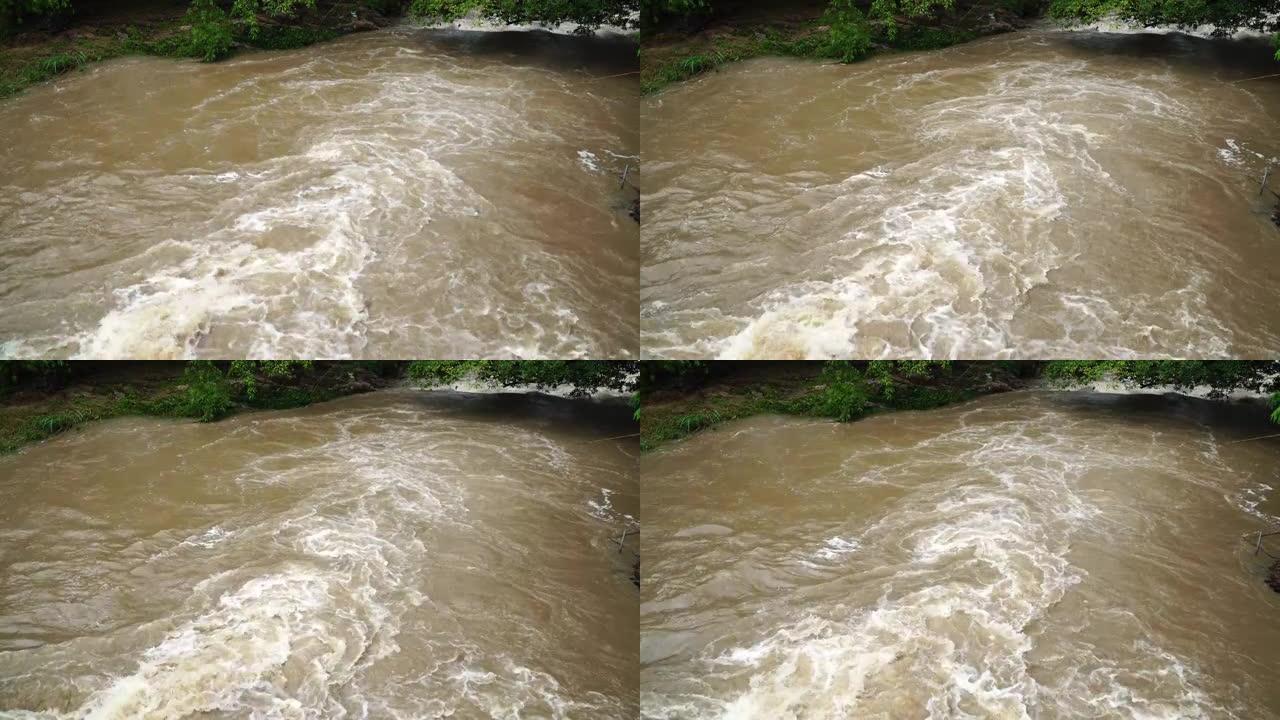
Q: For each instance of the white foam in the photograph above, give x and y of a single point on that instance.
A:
(964, 248)
(940, 643)
(602, 509)
(225, 659)
(589, 161)
(836, 548)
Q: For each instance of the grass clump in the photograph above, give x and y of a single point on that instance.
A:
(45, 68)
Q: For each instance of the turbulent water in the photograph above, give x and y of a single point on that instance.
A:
(407, 192)
(395, 555)
(1040, 193)
(1032, 555)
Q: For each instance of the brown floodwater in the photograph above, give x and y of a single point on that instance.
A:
(1029, 555)
(1036, 194)
(395, 555)
(402, 193)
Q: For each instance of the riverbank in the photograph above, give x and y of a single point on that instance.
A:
(683, 50)
(40, 399)
(811, 389)
(170, 389)
(164, 28)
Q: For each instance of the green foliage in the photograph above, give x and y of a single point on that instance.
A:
(44, 426)
(587, 13)
(1275, 42)
(57, 422)
(734, 49)
(285, 37)
(849, 36)
(442, 10)
(213, 394)
(211, 37)
(688, 423)
(208, 395)
(851, 392)
(843, 391)
(1227, 16)
(584, 376)
(46, 68)
(246, 371)
(930, 38)
(846, 33)
(882, 372)
(844, 395)
(247, 11)
(1220, 376)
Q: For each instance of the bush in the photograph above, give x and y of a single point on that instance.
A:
(844, 396)
(208, 395)
(247, 11)
(441, 10)
(211, 35)
(849, 36)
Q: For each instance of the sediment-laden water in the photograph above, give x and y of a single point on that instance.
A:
(395, 555)
(1031, 555)
(1035, 194)
(406, 192)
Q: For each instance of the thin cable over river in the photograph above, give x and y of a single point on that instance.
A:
(1029, 555)
(399, 193)
(394, 555)
(1035, 194)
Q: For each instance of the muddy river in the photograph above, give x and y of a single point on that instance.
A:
(395, 555)
(1035, 194)
(400, 193)
(1030, 555)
